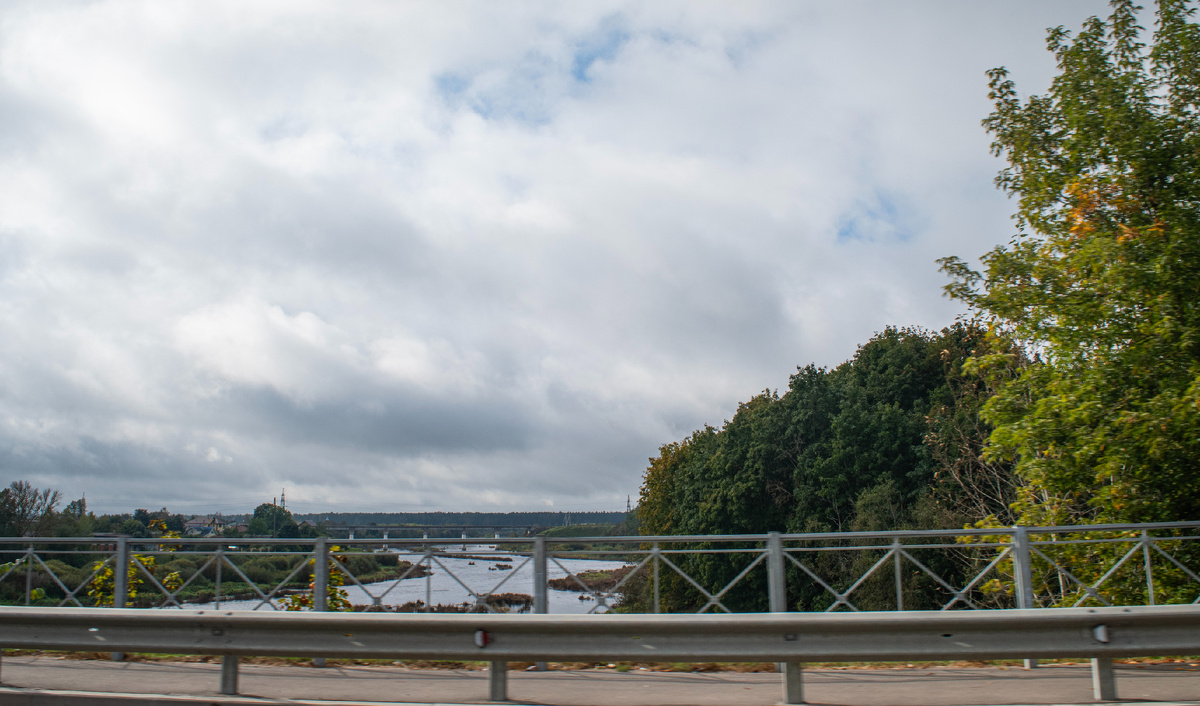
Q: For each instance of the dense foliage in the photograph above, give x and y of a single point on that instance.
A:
(843, 449)
(880, 442)
(1101, 284)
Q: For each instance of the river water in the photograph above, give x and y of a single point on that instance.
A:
(481, 575)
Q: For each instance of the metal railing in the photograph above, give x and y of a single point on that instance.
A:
(792, 638)
(1019, 567)
(949, 571)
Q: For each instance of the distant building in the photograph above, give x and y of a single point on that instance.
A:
(203, 526)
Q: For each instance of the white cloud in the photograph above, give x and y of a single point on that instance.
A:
(401, 256)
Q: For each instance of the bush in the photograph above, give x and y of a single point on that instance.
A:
(263, 570)
(360, 564)
(183, 566)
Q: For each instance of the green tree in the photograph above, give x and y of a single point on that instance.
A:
(134, 528)
(274, 520)
(25, 510)
(1100, 286)
(842, 449)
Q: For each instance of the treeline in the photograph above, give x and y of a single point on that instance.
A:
(890, 439)
(499, 519)
(26, 510)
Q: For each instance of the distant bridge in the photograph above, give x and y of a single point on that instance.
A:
(432, 531)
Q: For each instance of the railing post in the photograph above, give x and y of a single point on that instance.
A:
(28, 574)
(121, 573)
(218, 560)
(899, 575)
(793, 675)
(776, 589)
(497, 681)
(320, 583)
(120, 583)
(229, 674)
(657, 595)
(321, 575)
(428, 578)
(541, 604)
(1104, 682)
(1023, 574)
(539, 576)
(1149, 570)
(1022, 571)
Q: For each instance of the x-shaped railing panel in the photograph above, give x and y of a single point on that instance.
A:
(714, 599)
(30, 556)
(842, 598)
(1092, 590)
(172, 596)
(377, 600)
(481, 598)
(70, 593)
(602, 597)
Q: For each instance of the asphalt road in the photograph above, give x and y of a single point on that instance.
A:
(33, 679)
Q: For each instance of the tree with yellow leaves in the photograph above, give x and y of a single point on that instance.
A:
(1100, 287)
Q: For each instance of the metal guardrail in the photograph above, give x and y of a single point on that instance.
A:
(793, 638)
(1018, 567)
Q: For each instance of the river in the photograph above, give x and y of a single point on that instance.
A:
(479, 574)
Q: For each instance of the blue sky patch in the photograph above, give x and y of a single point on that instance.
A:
(602, 45)
(876, 218)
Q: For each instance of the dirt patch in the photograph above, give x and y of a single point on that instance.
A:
(503, 602)
(474, 557)
(600, 580)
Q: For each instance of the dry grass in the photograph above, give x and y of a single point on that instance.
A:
(742, 667)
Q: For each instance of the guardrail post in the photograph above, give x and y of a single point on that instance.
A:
(541, 603)
(497, 681)
(1023, 574)
(1104, 682)
(120, 583)
(320, 583)
(793, 675)
(229, 674)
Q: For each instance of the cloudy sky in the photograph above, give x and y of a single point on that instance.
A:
(464, 256)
